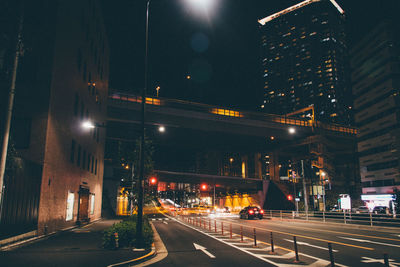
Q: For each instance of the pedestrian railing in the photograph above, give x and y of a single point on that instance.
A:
(346, 217)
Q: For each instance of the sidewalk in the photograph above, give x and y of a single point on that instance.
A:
(78, 247)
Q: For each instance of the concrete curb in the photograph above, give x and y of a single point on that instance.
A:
(157, 253)
(141, 258)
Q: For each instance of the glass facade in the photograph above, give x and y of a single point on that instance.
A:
(304, 62)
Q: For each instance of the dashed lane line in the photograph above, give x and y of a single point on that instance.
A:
(306, 237)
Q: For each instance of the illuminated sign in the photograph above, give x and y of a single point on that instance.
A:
(386, 197)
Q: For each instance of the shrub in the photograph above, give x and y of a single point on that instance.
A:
(127, 233)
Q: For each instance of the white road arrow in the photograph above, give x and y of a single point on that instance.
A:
(369, 241)
(198, 247)
(309, 245)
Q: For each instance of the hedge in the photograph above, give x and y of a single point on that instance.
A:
(127, 234)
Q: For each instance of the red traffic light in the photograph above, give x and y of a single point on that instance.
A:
(203, 187)
(290, 197)
(153, 180)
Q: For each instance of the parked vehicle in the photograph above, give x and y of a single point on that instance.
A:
(380, 210)
(251, 212)
(362, 209)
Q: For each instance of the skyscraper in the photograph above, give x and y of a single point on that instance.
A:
(375, 78)
(304, 61)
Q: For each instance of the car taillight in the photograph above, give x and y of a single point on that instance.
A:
(251, 211)
(262, 211)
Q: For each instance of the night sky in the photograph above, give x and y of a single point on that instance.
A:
(220, 49)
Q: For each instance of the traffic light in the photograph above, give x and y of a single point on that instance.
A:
(290, 197)
(153, 181)
(203, 187)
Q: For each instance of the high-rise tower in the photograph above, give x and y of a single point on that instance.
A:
(304, 61)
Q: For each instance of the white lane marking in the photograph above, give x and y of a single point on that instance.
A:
(369, 241)
(165, 222)
(392, 263)
(203, 249)
(153, 219)
(160, 219)
(309, 245)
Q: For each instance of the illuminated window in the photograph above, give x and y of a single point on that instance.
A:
(226, 112)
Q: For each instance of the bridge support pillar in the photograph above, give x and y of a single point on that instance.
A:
(274, 166)
(257, 166)
(245, 164)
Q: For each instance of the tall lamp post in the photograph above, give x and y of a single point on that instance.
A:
(139, 224)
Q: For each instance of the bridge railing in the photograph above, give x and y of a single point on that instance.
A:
(121, 98)
(345, 217)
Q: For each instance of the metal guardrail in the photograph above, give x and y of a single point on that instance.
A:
(345, 217)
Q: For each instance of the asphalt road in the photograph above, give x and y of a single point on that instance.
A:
(351, 245)
(180, 239)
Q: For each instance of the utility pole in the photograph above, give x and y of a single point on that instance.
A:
(7, 126)
(139, 223)
(304, 187)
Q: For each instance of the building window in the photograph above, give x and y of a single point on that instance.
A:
(84, 159)
(70, 206)
(72, 153)
(92, 165)
(88, 159)
(82, 110)
(92, 198)
(78, 160)
(76, 104)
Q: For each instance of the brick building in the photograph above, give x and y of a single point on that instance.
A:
(62, 81)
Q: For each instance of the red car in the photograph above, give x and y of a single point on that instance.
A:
(251, 213)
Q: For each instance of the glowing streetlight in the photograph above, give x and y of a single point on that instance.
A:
(158, 89)
(161, 129)
(88, 125)
(201, 4)
(292, 130)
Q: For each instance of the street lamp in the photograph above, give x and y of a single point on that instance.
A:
(158, 89)
(323, 174)
(88, 125)
(139, 225)
(292, 130)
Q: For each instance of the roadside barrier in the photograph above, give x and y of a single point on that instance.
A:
(386, 259)
(345, 217)
(255, 237)
(331, 255)
(296, 250)
(272, 244)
